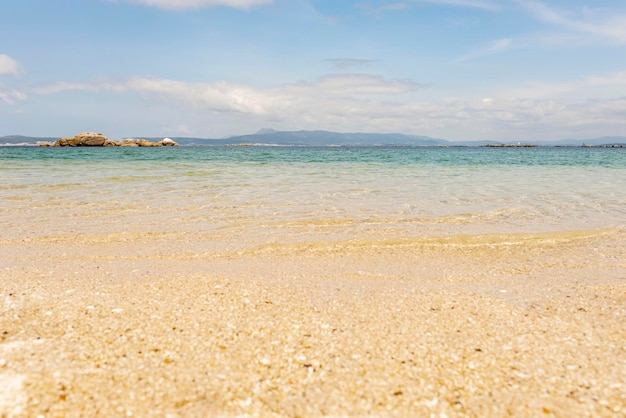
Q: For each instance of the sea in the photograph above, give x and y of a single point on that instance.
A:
(255, 195)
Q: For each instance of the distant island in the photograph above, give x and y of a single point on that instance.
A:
(269, 137)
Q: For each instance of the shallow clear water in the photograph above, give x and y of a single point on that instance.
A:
(281, 194)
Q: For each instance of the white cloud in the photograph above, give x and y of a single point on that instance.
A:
(360, 102)
(611, 26)
(599, 87)
(220, 96)
(12, 97)
(8, 65)
(199, 4)
(512, 119)
(617, 79)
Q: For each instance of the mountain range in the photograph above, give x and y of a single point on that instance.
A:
(328, 138)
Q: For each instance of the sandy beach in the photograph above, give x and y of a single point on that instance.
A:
(163, 324)
(312, 208)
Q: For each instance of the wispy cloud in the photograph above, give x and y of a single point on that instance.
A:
(401, 5)
(199, 4)
(476, 4)
(378, 10)
(62, 87)
(362, 102)
(617, 79)
(345, 63)
(493, 47)
(12, 97)
(358, 84)
(220, 96)
(597, 87)
(610, 27)
(8, 65)
(228, 97)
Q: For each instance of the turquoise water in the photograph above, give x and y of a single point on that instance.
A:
(450, 156)
(286, 192)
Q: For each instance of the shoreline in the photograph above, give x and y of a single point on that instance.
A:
(312, 283)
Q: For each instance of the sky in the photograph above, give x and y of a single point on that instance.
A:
(452, 69)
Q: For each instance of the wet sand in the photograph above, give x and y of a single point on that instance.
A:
(165, 323)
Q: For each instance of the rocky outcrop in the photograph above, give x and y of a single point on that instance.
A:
(146, 143)
(92, 139)
(85, 139)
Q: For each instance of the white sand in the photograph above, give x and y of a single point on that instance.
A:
(161, 324)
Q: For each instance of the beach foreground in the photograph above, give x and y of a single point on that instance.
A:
(144, 324)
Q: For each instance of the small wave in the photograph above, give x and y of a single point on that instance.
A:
(19, 144)
(490, 241)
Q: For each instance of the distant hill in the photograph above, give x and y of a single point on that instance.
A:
(328, 138)
(325, 138)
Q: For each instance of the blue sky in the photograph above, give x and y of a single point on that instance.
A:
(453, 69)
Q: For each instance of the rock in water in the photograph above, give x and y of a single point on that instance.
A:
(169, 142)
(146, 143)
(92, 139)
(85, 139)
